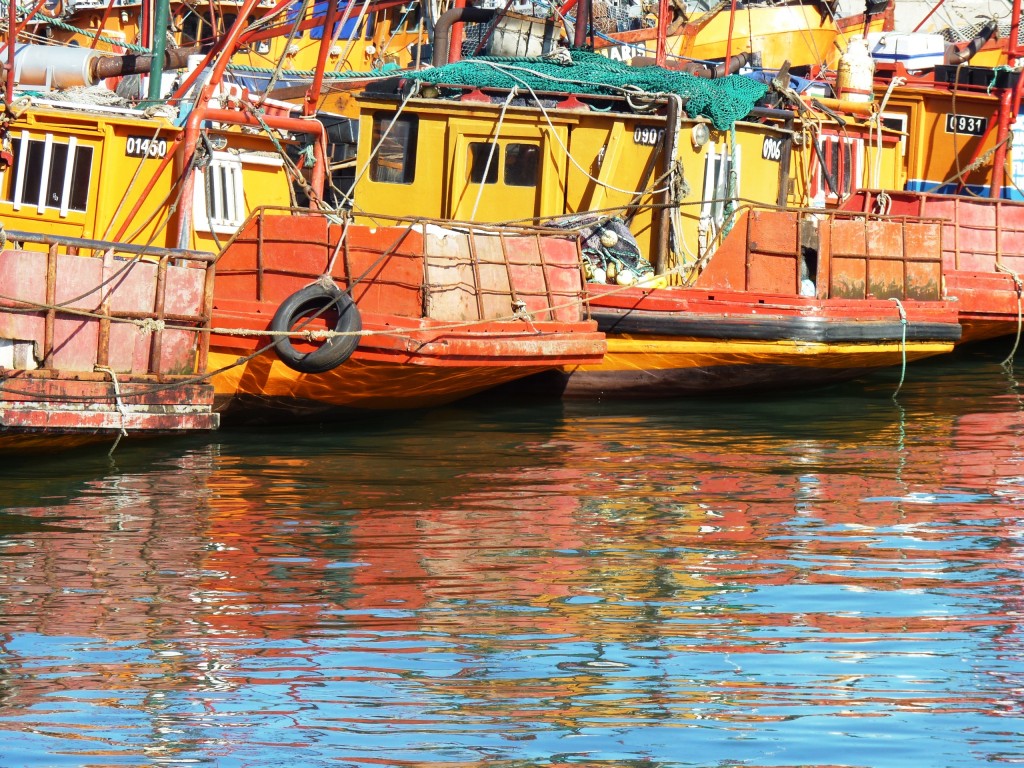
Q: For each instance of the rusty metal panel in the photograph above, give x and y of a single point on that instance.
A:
(773, 257)
(384, 267)
(1011, 236)
(131, 286)
(107, 286)
(295, 244)
(22, 279)
(885, 258)
(923, 241)
(527, 275)
(849, 273)
(48, 403)
(726, 269)
(564, 277)
(774, 231)
(975, 228)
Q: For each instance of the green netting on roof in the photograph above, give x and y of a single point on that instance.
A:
(724, 100)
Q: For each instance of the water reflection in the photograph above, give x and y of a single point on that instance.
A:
(829, 580)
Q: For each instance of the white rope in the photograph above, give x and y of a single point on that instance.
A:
(494, 146)
(335, 34)
(337, 248)
(903, 345)
(1008, 362)
(558, 139)
(120, 405)
(877, 119)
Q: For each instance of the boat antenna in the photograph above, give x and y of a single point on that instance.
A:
(659, 56)
(728, 41)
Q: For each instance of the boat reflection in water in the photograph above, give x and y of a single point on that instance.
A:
(776, 582)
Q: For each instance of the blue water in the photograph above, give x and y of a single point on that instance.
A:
(833, 578)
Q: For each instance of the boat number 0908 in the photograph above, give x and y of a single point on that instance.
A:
(142, 146)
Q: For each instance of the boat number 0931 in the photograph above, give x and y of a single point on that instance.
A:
(143, 146)
(772, 148)
(974, 126)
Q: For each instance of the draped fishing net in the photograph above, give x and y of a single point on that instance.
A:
(610, 251)
(722, 100)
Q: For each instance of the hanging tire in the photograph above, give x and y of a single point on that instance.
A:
(317, 299)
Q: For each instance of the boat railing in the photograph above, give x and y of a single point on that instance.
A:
(96, 297)
(979, 234)
(830, 254)
(444, 270)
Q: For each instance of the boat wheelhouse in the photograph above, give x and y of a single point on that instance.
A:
(701, 279)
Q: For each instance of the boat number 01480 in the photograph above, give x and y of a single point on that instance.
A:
(144, 146)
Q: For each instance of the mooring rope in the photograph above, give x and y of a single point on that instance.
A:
(1019, 285)
(120, 404)
(903, 345)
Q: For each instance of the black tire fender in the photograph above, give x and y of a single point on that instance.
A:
(336, 349)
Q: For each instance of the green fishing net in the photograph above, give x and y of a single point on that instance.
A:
(722, 100)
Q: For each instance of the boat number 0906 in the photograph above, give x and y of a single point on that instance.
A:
(772, 148)
(647, 136)
(142, 146)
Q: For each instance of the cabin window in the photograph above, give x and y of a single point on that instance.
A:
(394, 159)
(479, 153)
(48, 174)
(198, 28)
(219, 195)
(522, 165)
(896, 122)
(193, 27)
(838, 166)
(719, 169)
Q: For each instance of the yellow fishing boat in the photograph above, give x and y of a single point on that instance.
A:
(807, 36)
(659, 189)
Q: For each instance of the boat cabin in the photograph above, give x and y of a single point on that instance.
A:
(492, 156)
(111, 173)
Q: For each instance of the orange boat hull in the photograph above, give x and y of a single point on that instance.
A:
(445, 314)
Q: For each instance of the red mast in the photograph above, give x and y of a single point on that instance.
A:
(1009, 106)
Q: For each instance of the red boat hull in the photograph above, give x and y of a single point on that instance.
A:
(982, 252)
(764, 315)
(97, 347)
(445, 314)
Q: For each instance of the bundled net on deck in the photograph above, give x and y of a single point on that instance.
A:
(723, 100)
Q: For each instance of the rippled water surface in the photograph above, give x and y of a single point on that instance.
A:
(829, 579)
